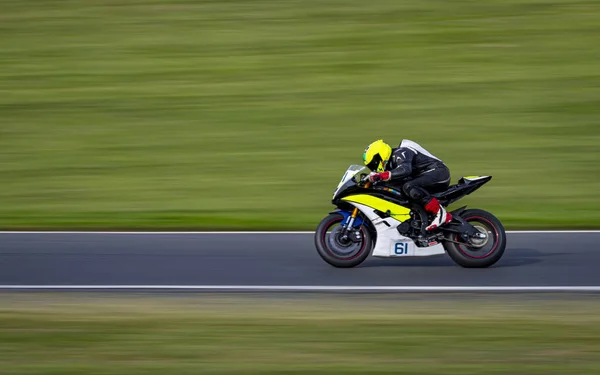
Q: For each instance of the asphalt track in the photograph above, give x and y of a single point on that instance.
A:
(568, 261)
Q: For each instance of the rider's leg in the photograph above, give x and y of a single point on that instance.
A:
(415, 189)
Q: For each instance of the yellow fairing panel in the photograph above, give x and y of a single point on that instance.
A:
(398, 212)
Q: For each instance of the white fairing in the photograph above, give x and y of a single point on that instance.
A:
(417, 148)
(352, 171)
(390, 243)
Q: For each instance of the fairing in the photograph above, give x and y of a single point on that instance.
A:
(464, 187)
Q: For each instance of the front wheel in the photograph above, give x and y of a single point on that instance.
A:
(336, 251)
(480, 253)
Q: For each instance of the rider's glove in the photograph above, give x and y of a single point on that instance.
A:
(376, 177)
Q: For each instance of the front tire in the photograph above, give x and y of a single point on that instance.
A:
(484, 254)
(338, 254)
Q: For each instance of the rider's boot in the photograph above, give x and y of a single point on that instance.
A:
(441, 215)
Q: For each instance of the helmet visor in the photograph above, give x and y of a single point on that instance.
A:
(375, 164)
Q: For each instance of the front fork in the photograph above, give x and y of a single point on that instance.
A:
(350, 222)
(347, 227)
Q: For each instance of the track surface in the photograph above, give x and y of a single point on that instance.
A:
(531, 259)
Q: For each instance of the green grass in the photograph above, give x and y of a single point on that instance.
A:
(245, 114)
(102, 335)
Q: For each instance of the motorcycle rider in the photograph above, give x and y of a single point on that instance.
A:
(423, 169)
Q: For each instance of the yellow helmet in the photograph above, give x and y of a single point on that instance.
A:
(377, 155)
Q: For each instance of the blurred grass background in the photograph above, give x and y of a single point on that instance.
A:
(77, 334)
(245, 114)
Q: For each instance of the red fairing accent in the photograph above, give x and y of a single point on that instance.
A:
(433, 206)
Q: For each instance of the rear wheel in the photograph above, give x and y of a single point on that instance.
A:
(479, 252)
(337, 251)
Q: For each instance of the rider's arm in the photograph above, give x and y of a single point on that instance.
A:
(403, 159)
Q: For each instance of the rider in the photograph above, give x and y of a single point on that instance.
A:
(410, 160)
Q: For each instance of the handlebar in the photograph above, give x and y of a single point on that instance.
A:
(364, 181)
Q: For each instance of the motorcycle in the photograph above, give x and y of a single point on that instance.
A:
(377, 220)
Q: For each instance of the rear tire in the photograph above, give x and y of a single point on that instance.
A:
(481, 256)
(340, 255)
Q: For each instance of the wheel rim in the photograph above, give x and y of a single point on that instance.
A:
(337, 249)
(480, 248)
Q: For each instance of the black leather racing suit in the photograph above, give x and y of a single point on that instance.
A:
(413, 169)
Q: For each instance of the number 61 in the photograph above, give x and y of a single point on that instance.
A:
(401, 248)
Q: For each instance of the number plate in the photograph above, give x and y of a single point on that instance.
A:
(401, 248)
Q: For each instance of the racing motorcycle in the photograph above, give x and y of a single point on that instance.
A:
(381, 221)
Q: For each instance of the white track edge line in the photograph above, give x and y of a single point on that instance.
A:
(315, 288)
(258, 232)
